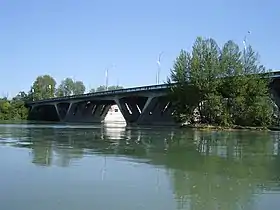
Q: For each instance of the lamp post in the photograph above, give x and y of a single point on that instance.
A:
(159, 68)
(107, 75)
(245, 41)
(106, 79)
(32, 93)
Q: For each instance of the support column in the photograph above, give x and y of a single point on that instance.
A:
(44, 112)
(62, 109)
(87, 112)
(131, 108)
(57, 111)
(158, 111)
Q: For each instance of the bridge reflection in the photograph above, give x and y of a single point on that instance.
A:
(207, 169)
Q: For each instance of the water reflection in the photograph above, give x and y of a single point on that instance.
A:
(207, 170)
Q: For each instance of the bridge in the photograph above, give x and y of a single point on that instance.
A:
(145, 105)
(139, 105)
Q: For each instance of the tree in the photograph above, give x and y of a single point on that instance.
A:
(103, 88)
(65, 88)
(225, 85)
(78, 88)
(100, 88)
(115, 87)
(13, 109)
(68, 87)
(92, 90)
(257, 107)
(21, 96)
(184, 96)
(43, 87)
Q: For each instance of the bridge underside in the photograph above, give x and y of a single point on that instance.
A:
(136, 110)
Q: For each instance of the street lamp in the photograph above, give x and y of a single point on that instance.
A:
(159, 68)
(245, 41)
(32, 93)
(107, 76)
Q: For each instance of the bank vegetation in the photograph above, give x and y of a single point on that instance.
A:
(221, 86)
(43, 87)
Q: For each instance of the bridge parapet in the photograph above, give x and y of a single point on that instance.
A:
(102, 94)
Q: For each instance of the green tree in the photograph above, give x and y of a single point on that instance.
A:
(21, 96)
(68, 87)
(184, 96)
(101, 88)
(257, 107)
(115, 87)
(65, 88)
(79, 88)
(92, 90)
(225, 85)
(43, 87)
(5, 109)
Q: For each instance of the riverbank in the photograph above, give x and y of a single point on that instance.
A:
(228, 128)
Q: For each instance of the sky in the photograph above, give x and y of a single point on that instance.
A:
(80, 39)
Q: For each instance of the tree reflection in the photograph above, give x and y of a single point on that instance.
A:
(208, 170)
(227, 172)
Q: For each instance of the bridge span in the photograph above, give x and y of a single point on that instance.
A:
(146, 105)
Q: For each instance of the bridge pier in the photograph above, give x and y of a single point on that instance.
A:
(275, 91)
(131, 108)
(87, 111)
(80, 112)
(155, 110)
(147, 105)
(158, 111)
(46, 112)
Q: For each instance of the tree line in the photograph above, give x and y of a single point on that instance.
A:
(213, 85)
(43, 87)
(221, 86)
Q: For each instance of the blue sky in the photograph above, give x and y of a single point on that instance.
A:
(79, 39)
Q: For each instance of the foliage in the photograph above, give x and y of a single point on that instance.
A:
(225, 85)
(69, 87)
(13, 110)
(42, 88)
(103, 88)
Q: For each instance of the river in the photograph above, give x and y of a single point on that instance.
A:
(49, 167)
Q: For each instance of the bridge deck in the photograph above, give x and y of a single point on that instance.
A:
(274, 74)
(103, 93)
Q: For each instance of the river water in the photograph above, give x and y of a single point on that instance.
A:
(58, 167)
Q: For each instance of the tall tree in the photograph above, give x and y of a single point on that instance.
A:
(43, 87)
(65, 88)
(68, 87)
(79, 88)
(184, 96)
(257, 107)
(100, 88)
(115, 87)
(229, 86)
(103, 88)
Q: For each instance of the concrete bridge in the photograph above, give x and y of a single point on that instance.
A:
(140, 105)
(146, 105)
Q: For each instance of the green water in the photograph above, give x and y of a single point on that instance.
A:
(58, 167)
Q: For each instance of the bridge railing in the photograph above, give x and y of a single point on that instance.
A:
(273, 74)
(102, 93)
